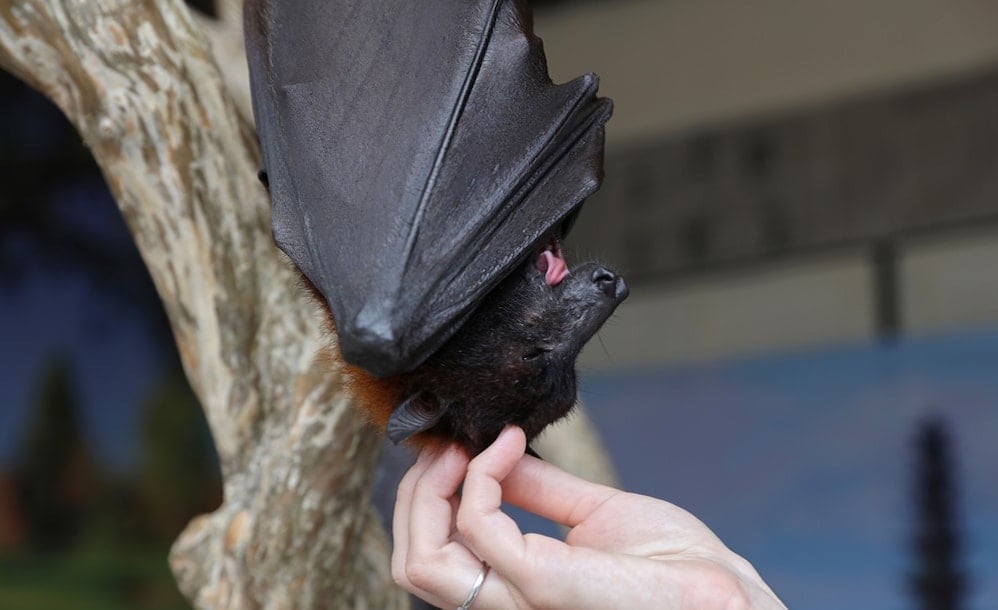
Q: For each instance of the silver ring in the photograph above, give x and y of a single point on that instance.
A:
(475, 588)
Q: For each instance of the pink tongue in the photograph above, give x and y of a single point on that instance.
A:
(556, 268)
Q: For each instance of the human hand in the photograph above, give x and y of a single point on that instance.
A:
(623, 551)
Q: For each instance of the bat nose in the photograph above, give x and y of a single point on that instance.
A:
(610, 284)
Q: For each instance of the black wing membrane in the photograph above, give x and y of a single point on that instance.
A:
(416, 152)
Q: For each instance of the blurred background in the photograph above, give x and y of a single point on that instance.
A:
(803, 196)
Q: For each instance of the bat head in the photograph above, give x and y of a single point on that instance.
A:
(513, 361)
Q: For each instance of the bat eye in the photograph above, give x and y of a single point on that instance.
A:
(534, 354)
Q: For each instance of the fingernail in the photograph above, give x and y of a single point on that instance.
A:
(511, 429)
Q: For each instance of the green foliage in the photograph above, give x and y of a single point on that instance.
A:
(95, 577)
(57, 474)
(178, 473)
(97, 542)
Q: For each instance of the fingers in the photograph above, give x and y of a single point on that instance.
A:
(438, 542)
(490, 532)
(534, 571)
(544, 489)
(431, 511)
(400, 518)
(426, 560)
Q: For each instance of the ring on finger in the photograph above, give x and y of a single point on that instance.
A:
(475, 588)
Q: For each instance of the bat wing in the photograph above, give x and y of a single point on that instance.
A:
(416, 152)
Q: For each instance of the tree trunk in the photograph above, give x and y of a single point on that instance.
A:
(138, 81)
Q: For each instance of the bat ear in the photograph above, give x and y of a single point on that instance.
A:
(415, 414)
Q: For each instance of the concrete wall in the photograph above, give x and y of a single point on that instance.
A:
(868, 119)
(881, 166)
(946, 283)
(810, 302)
(950, 282)
(674, 64)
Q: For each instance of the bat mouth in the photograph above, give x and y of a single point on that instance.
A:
(551, 262)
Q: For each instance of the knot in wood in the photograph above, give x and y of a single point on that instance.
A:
(115, 115)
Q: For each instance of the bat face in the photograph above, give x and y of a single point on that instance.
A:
(513, 361)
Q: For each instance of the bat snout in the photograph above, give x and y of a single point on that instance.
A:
(610, 284)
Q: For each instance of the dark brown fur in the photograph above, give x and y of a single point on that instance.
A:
(512, 362)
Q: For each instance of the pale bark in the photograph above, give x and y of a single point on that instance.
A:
(226, 35)
(137, 80)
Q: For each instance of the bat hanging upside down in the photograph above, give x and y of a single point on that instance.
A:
(426, 140)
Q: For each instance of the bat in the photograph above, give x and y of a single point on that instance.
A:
(423, 169)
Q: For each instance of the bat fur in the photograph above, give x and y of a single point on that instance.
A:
(512, 362)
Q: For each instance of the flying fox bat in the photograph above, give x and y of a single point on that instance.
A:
(422, 170)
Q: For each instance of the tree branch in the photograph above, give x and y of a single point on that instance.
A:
(137, 80)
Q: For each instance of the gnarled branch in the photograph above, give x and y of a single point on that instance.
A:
(139, 83)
